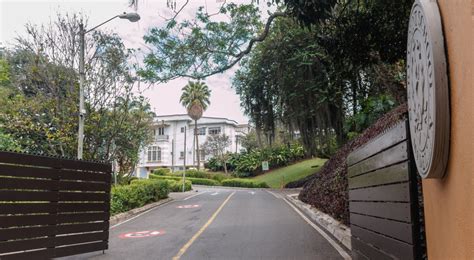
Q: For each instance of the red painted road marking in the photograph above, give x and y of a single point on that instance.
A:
(141, 234)
(188, 206)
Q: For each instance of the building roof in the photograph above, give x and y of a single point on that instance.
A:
(202, 120)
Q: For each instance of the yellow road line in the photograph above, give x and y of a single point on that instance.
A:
(191, 241)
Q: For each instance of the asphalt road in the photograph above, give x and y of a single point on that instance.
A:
(218, 224)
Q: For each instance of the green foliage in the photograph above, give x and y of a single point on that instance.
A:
(195, 93)
(249, 164)
(39, 95)
(246, 183)
(198, 181)
(161, 171)
(4, 72)
(372, 109)
(7, 143)
(214, 164)
(137, 194)
(201, 174)
(249, 141)
(217, 146)
(281, 176)
(200, 47)
(177, 186)
(192, 173)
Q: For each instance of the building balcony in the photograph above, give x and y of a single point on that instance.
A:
(162, 138)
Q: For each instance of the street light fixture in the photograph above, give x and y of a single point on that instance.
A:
(132, 17)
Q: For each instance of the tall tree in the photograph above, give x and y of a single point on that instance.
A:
(217, 146)
(195, 98)
(39, 94)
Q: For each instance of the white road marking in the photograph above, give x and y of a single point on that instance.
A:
(339, 249)
(252, 192)
(215, 193)
(192, 196)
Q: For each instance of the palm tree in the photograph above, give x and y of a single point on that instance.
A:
(195, 99)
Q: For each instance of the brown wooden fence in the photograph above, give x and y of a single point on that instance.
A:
(383, 198)
(51, 207)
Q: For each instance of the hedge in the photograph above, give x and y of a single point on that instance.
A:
(161, 171)
(203, 175)
(137, 194)
(177, 186)
(244, 183)
(198, 181)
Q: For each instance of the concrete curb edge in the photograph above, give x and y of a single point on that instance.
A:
(339, 231)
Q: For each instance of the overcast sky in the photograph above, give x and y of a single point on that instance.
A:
(164, 98)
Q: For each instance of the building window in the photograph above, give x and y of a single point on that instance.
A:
(203, 155)
(154, 154)
(181, 155)
(161, 131)
(182, 129)
(202, 131)
(214, 130)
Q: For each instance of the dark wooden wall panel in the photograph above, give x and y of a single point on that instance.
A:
(397, 135)
(387, 175)
(52, 207)
(388, 210)
(395, 229)
(389, 245)
(383, 198)
(386, 158)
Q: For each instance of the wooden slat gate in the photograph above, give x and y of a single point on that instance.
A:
(383, 198)
(52, 207)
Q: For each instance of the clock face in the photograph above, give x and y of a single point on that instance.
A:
(427, 90)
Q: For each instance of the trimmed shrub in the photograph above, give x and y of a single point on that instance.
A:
(198, 181)
(137, 194)
(202, 181)
(177, 186)
(197, 174)
(161, 171)
(244, 183)
(192, 173)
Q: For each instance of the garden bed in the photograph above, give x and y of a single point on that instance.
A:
(327, 190)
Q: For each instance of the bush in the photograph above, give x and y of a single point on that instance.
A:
(202, 181)
(201, 174)
(193, 174)
(137, 194)
(198, 181)
(214, 165)
(161, 171)
(250, 164)
(177, 186)
(244, 183)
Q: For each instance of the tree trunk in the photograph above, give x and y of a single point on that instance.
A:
(198, 154)
(225, 166)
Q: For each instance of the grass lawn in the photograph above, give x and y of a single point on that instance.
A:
(279, 177)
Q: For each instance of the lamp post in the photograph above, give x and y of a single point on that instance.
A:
(132, 17)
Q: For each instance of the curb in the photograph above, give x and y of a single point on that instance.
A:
(132, 213)
(337, 230)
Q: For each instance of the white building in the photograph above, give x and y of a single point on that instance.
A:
(172, 133)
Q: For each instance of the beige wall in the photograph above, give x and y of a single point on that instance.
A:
(449, 203)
